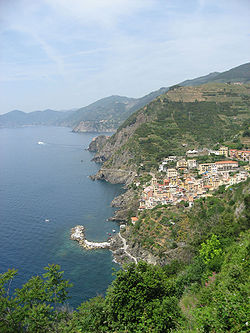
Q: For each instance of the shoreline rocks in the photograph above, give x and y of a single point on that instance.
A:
(115, 176)
(78, 234)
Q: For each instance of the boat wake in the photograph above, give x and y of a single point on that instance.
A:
(59, 144)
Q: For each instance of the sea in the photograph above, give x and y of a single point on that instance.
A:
(45, 190)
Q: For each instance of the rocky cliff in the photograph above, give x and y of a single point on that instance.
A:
(127, 204)
(97, 143)
(94, 126)
(112, 146)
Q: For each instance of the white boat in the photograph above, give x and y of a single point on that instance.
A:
(114, 230)
(40, 143)
(46, 220)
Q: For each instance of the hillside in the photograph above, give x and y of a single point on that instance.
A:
(181, 119)
(107, 114)
(173, 232)
(237, 74)
(18, 118)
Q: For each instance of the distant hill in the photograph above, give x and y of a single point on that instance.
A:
(104, 115)
(19, 118)
(107, 114)
(199, 80)
(237, 74)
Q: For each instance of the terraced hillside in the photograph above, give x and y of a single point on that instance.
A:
(181, 119)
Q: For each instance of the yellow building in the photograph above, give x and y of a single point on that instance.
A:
(207, 167)
(171, 173)
(247, 167)
(181, 164)
(223, 151)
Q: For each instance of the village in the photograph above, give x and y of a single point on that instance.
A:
(184, 179)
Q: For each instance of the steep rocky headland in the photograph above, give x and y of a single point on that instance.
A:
(93, 126)
(97, 143)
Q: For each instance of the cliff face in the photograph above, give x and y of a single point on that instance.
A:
(118, 140)
(115, 176)
(97, 143)
(94, 126)
(115, 168)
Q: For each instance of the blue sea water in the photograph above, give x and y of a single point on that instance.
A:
(50, 181)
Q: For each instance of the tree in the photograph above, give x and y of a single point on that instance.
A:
(142, 299)
(34, 307)
(210, 249)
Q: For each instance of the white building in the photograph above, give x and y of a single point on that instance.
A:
(192, 164)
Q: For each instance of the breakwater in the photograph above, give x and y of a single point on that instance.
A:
(78, 234)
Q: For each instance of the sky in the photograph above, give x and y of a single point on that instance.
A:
(63, 54)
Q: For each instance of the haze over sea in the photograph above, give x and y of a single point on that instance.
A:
(50, 181)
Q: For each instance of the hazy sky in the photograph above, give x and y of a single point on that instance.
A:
(62, 54)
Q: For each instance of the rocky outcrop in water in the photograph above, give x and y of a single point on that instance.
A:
(115, 176)
(78, 234)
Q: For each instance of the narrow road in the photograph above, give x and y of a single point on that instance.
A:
(125, 246)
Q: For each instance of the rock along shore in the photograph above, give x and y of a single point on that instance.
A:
(78, 234)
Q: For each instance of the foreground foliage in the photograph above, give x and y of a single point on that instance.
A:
(34, 308)
(208, 294)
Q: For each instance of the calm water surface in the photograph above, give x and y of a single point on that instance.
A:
(50, 181)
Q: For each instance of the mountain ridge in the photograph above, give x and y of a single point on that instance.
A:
(107, 114)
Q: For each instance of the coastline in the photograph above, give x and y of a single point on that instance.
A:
(124, 249)
(78, 234)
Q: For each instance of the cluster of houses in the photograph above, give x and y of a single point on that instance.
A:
(188, 180)
(241, 155)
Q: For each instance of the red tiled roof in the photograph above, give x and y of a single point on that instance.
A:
(226, 162)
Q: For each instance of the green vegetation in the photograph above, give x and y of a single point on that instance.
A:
(182, 119)
(207, 293)
(237, 74)
(34, 308)
(163, 227)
